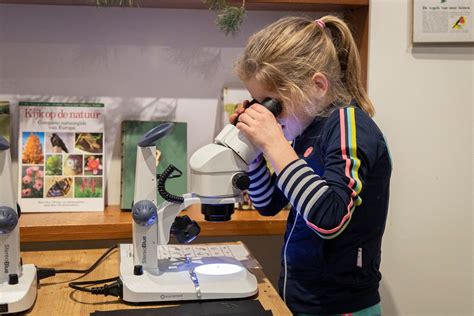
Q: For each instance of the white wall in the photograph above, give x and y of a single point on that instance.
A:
(425, 106)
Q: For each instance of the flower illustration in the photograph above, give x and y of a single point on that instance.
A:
(27, 180)
(93, 165)
(92, 185)
(83, 184)
(32, 182)
(29, 171)
(88, 187)
(38, 185)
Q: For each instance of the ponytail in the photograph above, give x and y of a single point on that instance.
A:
(285, 55)
(349, 61)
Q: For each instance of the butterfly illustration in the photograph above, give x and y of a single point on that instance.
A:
(60, 188)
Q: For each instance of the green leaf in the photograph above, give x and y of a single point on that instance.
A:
(230, 19)
(215, 4)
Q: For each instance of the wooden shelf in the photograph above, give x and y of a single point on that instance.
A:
(116, 224)
(314, 5)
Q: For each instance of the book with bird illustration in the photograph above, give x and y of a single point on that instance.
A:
(61, 157)
(171, 149)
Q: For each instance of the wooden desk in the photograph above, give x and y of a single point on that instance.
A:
(116, 224)
(56, 298)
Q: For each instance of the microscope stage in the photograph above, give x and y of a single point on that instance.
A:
(206, 278)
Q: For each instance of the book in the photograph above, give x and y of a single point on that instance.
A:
(171, 149)
(61, 157)
(231, 98)
(5, 119)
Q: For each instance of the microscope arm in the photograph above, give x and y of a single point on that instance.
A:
(217, 177)
(9, 228)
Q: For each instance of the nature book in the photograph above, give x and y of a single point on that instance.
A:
(171, 149)
(61, 157)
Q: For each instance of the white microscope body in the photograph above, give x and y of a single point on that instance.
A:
(217, 178)
(17, 282)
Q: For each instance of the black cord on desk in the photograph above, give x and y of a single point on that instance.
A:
(43, 273)
(113, 289)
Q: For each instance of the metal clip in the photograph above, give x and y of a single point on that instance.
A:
(194, 277)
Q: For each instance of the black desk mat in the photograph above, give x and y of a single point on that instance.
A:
(217, 308)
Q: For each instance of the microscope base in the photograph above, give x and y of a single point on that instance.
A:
(19, 297)
(181, 280)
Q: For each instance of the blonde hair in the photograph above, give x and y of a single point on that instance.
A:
(285, 55)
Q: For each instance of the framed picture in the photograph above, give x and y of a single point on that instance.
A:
(443, 21)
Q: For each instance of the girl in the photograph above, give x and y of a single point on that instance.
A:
(335, 174)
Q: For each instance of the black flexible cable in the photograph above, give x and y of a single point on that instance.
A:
(92, 267)
(75, 285)
(162, 185)
(49, 272)
(113, 289)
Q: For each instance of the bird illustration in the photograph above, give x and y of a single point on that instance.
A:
(58, 143)
(459, 23)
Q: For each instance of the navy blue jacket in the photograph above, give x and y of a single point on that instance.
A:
(339, 192)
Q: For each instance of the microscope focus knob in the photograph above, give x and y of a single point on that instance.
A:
(8, 219)
(241, 181)
(144, 213)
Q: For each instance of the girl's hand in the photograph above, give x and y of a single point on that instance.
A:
(239, 110)
(260, 126)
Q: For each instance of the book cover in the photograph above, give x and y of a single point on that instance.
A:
(5, 119)
(61, 157)
(231, 98)
(171, 149)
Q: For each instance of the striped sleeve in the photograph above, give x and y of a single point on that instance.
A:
(261, 185)
(265, 196)
(326, 202)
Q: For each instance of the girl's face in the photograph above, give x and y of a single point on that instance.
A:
(292, 121)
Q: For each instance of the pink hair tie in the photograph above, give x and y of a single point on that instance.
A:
(320, 23)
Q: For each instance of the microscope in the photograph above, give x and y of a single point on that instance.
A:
(17, 281)
(218, 178)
